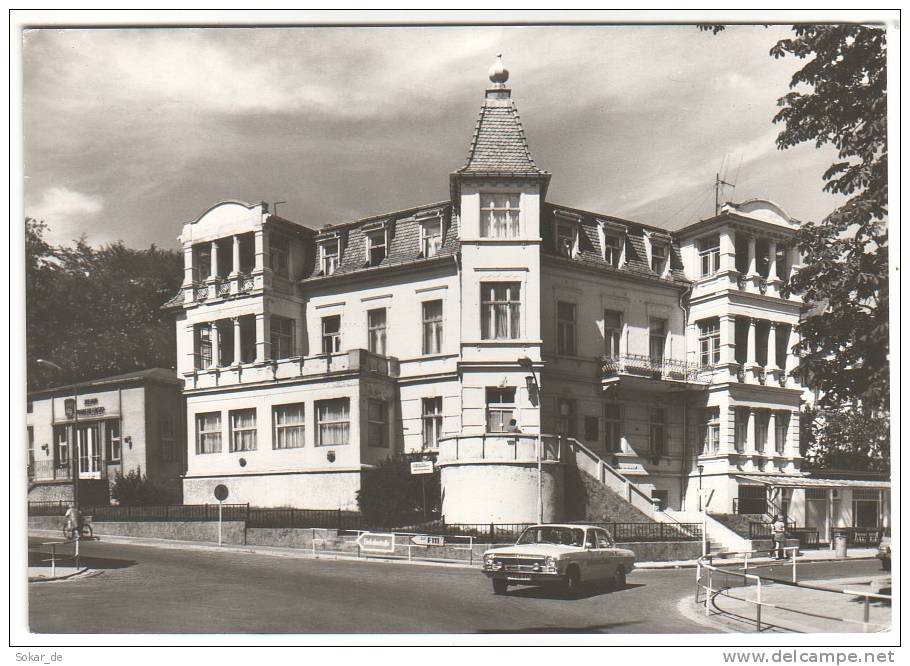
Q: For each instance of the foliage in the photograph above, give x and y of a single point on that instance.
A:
(135, 489)
(96, 311)
(390, 495)
(845, 439)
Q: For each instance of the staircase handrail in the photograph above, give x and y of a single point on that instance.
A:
(630, 486)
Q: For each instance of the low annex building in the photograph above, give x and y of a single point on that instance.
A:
(658, 363)
(129, 422)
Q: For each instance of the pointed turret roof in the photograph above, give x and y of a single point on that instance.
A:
(499, 147)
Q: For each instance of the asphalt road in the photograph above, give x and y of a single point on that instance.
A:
(152, 590)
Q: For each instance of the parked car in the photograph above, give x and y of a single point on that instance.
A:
(884, 551)
(559, 555)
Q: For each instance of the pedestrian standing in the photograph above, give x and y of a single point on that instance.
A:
(779, 534)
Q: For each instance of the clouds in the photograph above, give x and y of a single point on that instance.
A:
(342, 122)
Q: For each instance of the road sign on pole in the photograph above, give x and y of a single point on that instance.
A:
(422, 467)
(376, 542)
(427, 540)
(221, 494)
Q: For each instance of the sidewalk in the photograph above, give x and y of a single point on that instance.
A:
(819, 555)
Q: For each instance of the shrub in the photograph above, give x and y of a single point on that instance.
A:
(135, 489)
(389, 494)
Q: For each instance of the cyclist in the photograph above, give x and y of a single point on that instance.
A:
(74, 520)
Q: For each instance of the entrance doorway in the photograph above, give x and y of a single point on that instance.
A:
(89, 450)
(817, 511)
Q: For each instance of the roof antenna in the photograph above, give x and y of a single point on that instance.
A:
(275, 207)
(718, 183)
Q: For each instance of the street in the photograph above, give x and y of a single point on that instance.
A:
(153, 590)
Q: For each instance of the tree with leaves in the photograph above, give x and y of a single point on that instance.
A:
(96, 312)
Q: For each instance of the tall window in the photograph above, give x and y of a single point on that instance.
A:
(376, 330)
(762, 419)
(500, 408)
(741, 416)
(657, 428)
(279, 247)
(247, 339)
(613, 427)
(331, 334)
(208, 432)
(709, 341)
(613, 249)
(709, 254)
(112, 442)
(710, 431)
(592, 428)
(500, 310)
(499, 215)
(659, 252)
(565, 417)
(330, 256)
(432, 327)
(430, 237)
(168, 431)
(781, 425)
(61, 445)
(202, 262)
(225, 330)
(282, 337)
(612, 333)
(376, 247)
(565, 328)
(565, 239)
(332, 422)
(432, 422)
(288, 424)
(377, 423)
(243, 430)
(658, 338)
(203, 346)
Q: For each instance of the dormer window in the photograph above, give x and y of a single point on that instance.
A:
(330, 250)
(376, 247)
(659, 253)
(613, 245)
(430, 237)
(566, 239)
(499, 215)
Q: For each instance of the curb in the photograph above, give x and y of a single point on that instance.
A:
(50, 579)
(691, 564)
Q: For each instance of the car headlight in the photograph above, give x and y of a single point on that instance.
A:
(550, 562)
(488, 558)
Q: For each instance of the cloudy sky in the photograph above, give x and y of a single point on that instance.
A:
(131, 132)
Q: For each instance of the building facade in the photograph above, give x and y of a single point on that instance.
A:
(130, 422)
(507, 336)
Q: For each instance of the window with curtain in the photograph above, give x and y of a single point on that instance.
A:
(282, 337)
(208, 432)
(243, 430)
(432, 422)
(709, 342)
(612, 333)
(500, 310)
(613, 427)
(499, 215)
(500, 408)
(710, 431)
(657, 428)
(288, 426)
(331, 334)
(565, 328)
(430, 237)
(432, 327)
(378, 423)
(376, 330)
(709, 255)
(203, 346)
(332, 422)
(658, 338)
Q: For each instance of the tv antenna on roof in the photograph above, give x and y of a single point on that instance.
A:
(275, 207)
(720, 181)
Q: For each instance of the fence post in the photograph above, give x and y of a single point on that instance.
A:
(338, 517)
(758, 604)
(697, 580)
(165, 513)
(866, 614)
(709, 590)
(662, 535)
(491, 532)
(794, 563)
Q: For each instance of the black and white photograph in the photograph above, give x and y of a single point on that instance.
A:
(458, 329)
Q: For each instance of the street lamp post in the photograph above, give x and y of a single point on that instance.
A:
(528, 365)
(704, 514)
(74, 449)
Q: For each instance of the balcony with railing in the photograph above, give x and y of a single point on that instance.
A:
(223, 287)
(656, 372)
(501, 446)
(355, 361)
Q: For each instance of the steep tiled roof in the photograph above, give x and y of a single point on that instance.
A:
(499, 146)
(590, 251)
(404, 239)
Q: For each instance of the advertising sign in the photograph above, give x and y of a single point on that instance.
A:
(422, 467)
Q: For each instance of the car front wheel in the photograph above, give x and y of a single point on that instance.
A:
(619, 578)
(572, 582)
(500, 586)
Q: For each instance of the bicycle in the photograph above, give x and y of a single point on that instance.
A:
(83, 532)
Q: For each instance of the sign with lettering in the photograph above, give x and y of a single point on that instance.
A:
(376, 542)
(422, 467)
(427, 540)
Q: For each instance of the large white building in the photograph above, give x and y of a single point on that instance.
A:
(662, 359)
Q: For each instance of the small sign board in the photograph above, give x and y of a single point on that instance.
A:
(422, 467)
(376, 542)
(427, 540)
(221, 492)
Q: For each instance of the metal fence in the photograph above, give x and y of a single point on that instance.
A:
(321, 519)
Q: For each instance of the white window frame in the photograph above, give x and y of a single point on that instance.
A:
(710, 431)
(566, 419)
(283, 338)
(431, 420)
(505, 411)
(709, 342)
(329, 261)
(203, 341)
(664, 249)
(566, 243)
(343, 423)
(614, 248)
(429, 248)
(243, 444)
(283, 429)
(377, 335)
(511, 227)
(432, 328)
(378, 425)
(208, 441)
(331, 342)
(781, 428)
(708, 255)
(613, 427)
(488, 308)
(375, 239)
(652, 337)
(613, 335)
(113, 440)
(567, 330)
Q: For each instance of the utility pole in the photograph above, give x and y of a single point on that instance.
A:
(717, 185)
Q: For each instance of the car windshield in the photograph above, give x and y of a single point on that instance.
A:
(565, 536)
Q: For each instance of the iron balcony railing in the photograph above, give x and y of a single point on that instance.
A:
(662, 368)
